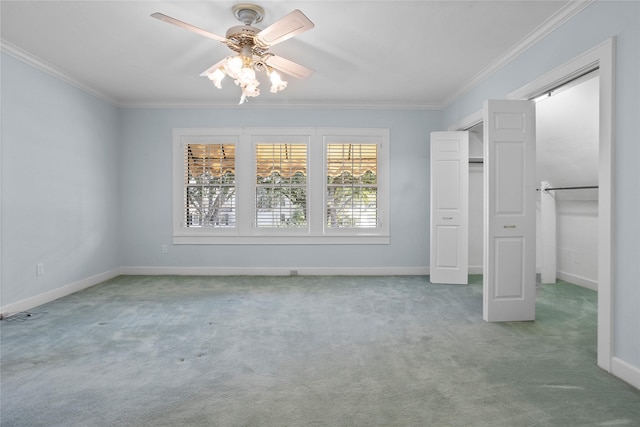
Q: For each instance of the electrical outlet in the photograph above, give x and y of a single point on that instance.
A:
(165, 249)
(39, 269)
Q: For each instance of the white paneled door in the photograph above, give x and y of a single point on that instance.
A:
(449, 251)
(509, 280)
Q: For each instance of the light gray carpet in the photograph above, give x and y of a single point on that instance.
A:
(305, 351)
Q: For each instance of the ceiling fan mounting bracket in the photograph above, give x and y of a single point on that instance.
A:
(248, 13)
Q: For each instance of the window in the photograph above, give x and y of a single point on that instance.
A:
(352, 176)
(280, 185)
(210, 185)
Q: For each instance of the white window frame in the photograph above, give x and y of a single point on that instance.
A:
(273, 136)
(316, 231)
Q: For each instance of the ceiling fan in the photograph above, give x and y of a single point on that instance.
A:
(252, 49)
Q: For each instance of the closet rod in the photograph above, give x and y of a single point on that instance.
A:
(569, 188)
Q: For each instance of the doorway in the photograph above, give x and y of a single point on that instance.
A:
(567, 172)
(598, 58)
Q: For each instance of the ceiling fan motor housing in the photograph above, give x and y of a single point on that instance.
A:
(242, 36)
(242, 32)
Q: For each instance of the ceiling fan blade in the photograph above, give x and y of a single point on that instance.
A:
(290, 25)
(288, 67)
(192, 28)
(213, 68)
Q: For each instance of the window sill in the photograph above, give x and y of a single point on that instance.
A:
(373, 239)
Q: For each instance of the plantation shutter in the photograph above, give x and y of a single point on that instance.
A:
(209, 177)
(352, 185)
(281, 185)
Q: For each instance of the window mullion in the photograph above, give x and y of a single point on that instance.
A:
(178, 183)
(245, 165)
(316, 201)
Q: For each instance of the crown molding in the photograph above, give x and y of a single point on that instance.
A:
(48, 68)
(287, 105)
(563, 15)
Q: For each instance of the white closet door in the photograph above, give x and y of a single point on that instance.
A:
(449, 250)
(509, 279)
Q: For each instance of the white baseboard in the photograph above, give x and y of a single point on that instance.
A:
(578, 280)
(31, 302)
(625, 371)
(275, 271)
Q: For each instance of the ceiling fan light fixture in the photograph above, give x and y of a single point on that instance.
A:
(216, 77)
(247, 74)
(233, 65)
(277, 84)
(252, 45)
(242, 70)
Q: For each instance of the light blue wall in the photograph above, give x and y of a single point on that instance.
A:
(146, 192)
(59, 183)
(598, 22)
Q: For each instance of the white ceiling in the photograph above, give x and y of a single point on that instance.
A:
(418, 54)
